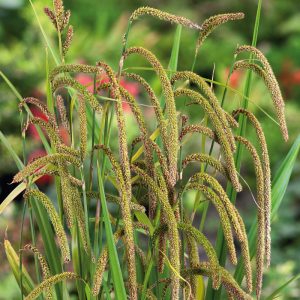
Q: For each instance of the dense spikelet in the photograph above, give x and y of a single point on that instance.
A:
(163, 16)
(231, 121)
(172, 129)
(226, 278)
(260, 249)
(82, 126)
(145, 138)
(205, 158)
(196, 128)
(46, 284)
(200, 238)
(59, 13)
(52, 133)
(42, 161)
(55, 220)
(267, 175)
(154, 102)
(225, 222)
(68, 40)
(236, 220)
(172, 227)
(101, 265)
(51, 16)
(43, 108)
(271, 84)
(43, 263)
(212, 23)
(210, 97)
(66, 19)
(194, 260)
(74, 68)
(62, 112)
(67, 81)
(219, 131)
(162, 161)
(44, 267)
(124, 159)
(79, 216)
(67, 196)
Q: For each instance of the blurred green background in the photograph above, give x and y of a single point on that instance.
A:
(98, 29)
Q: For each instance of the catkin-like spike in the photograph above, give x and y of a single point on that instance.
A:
(172, 128)
(164, 16)
(51, 16)
(68, 40)
(226, 226)
(210, 97)
(194, 260)
(226, 278)
(144, 134)
(154, 101)
(260, 249)
(68, 81)
(59, 13)
(101, 265)
(79, 216)
(205, 158)
(162, 161)
(197, 128)
(115, 88)
(74, 68)
(212, 23)
(55, 220)
(43, 108)
(219, 131)
(231, 121)
(82, 126)
(267, 175)
(66, 19)
(42, 161)
(172, 227)
(44, 267)
(62, 148)
(200, 238)
(46, 284)
(236, 221)
(51, 132)
(62, 112)
(272, 85)
(67, 194)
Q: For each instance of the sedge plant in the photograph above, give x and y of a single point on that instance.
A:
(149, 249)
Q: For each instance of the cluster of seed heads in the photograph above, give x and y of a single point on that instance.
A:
(156, 170)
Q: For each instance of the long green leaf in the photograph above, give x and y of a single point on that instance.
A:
(279, 186)
(276, 293)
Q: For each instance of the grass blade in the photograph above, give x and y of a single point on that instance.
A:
(276, 293)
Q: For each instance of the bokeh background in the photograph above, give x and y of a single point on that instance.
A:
(99, 26)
